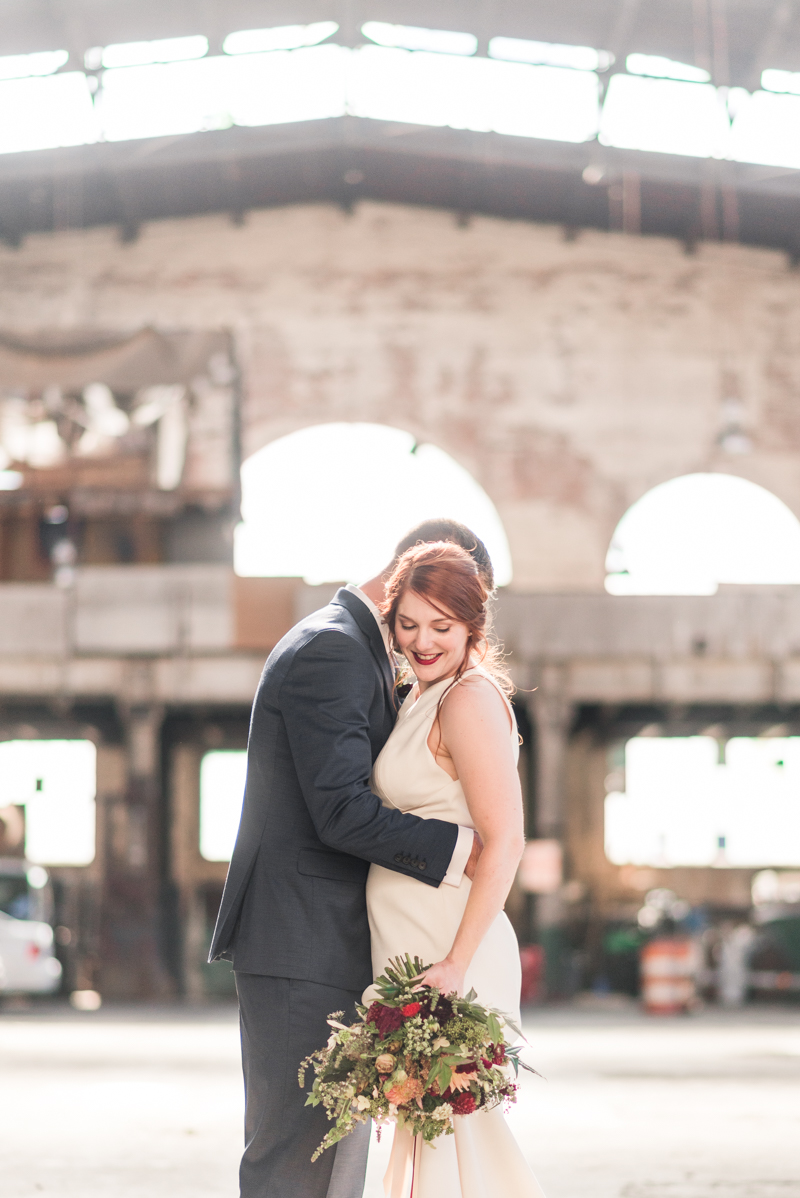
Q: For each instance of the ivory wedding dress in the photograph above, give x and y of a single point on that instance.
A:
(482, 1159)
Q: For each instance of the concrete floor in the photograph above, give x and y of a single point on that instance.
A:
(144, 1103)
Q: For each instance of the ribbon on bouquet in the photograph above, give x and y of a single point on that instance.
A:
(398, 1181)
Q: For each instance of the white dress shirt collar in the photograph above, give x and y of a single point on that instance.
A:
(379, 620)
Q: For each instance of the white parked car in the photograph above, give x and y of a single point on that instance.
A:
(28, 964)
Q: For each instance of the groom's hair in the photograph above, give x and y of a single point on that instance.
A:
(442, 529)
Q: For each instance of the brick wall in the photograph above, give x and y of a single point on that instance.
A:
(569, 376)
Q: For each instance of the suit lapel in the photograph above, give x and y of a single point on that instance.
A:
(368, 625)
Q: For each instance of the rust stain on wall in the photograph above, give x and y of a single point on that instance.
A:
(781, 417)
(542, 465)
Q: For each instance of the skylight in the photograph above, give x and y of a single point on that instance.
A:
(781, 81)
(767, 130)
(411, 37)
(138, 54)
(551, 54)
(545, 102)
(665, 116)
(282, 37)
(419, 89)
(161, 100)
(45, 113)
(665, 68)
(473, 93)
(308, 84)
(404, 73)
(22, 66)
(276, 87)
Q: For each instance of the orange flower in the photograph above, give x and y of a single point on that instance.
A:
(461, 1080)
(402, 1092)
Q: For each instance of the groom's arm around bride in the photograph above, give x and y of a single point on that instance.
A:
(293, 917)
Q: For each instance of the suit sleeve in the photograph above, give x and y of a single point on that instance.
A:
(325, 700)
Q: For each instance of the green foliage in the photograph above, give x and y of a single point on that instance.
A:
(419, 1093)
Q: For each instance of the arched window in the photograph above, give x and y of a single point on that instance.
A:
(690, 534)
(329, 503)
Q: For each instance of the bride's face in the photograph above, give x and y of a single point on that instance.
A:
(433, 644)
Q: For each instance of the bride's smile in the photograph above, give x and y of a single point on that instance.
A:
(432, 641)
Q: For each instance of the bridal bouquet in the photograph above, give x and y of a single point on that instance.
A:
(415, 1058)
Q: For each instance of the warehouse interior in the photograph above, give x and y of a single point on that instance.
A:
(241, 354)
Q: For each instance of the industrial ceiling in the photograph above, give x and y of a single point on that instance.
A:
(346, 159)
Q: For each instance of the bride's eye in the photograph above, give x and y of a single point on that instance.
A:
(441, 630)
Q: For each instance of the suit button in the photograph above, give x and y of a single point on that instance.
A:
(406, 861)
(422, 865)
(398, 858)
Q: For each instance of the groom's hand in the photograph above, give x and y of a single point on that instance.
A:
(472, 860)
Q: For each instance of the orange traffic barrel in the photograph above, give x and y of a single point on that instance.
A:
(667, 967)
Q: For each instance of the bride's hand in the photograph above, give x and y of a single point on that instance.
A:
(445, 976)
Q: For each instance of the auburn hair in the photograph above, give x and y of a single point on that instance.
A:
(447, 577)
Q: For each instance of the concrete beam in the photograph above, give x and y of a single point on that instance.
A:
(737, 624)
(226, 678)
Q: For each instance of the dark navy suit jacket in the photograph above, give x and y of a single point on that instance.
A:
(294, 903)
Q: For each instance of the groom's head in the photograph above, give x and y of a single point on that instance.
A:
(442, 529)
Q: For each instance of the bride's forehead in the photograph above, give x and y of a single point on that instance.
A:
(417, 608)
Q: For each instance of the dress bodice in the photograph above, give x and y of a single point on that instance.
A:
(406, 774)
(481, 1159)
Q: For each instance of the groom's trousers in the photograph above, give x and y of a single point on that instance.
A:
(282, 1020)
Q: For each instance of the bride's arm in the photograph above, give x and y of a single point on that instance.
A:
(476, 735)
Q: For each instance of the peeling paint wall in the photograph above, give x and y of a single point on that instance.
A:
(569, 376)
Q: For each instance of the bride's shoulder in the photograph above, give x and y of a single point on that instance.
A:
(474, 699)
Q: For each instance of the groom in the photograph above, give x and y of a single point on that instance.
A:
(293, 917)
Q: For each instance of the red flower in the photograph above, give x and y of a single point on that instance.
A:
(464, 1103)
(498, 1056)
(443, 1011)
(386, 1019)
(411, 1008)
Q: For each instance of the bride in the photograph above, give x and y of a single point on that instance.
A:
(452, 756)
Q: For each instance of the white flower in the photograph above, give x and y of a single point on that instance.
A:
(362, 1102)
(441, 1042)
(443, 1112)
